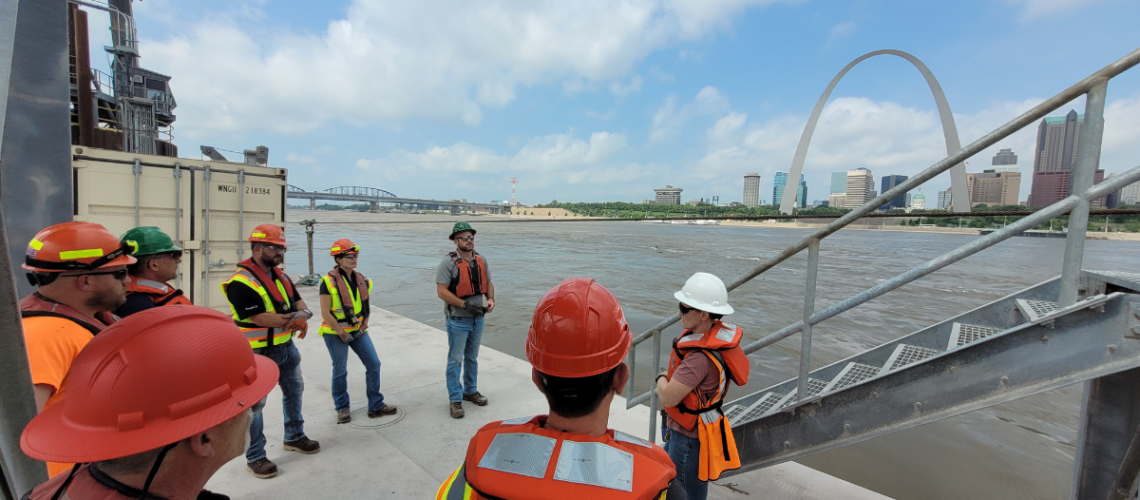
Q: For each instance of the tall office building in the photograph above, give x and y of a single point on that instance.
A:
(992, 188)
(860, 185)
(1058, 138)
(751, 189)
(780, 182)
(839, 182)
(668, 195)
(890, 181)
(1005, 161)
(1129, 195)
(943, 199)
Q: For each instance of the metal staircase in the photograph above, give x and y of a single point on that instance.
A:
(1083, 326)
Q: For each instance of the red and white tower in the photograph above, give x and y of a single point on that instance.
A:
(513, 203)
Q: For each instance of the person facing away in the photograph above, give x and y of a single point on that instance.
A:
(463, 282)
(577, 343)
(158, 259)
(79, 270)
(267, 308)
(132, 437)
(704, 359)
(345, 310)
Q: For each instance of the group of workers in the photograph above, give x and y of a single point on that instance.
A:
(140, 393)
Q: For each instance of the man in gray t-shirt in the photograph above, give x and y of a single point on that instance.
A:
(463, 283)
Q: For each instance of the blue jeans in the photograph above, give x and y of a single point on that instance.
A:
(364, 350)
(685, 452)
(463, 337)
(289, 362)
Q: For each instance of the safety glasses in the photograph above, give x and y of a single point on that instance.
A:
(465, 238)
(684, 309)
(119, 275)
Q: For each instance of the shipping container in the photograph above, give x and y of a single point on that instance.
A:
(208, 207)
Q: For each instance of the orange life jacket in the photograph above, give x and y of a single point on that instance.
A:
(520, 460)
(345, 290)
(37, 305)
(466, 285)
(267, 282)
(722, 345)
(160, 293)
(91, 483)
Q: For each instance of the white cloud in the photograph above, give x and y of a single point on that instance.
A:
(668, 121)
(840, 31)
(1036, 9)
(388, 62)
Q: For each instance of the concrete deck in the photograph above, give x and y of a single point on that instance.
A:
(411, 457)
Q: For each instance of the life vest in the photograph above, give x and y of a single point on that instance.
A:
(36, 305)
(722, 346)
(276, 301)
(160, 293)
(469, 283)
(520, 460)
(91, 483)
(339, 288)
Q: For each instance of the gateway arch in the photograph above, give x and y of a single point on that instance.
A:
(960, 198)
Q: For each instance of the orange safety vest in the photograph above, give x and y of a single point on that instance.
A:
(92, 483)
(160, 293)
(722, 345)
(466, 285)
(520, 460)
(36, 305)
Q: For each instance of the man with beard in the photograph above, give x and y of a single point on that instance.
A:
(268, 309)
(158, 264)
(463, 282)
(79, 270)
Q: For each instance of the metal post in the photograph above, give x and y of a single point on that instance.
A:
(178, 214)
(1088, 154)
(309, 236)
(654, 402)
(809, 309)
(206, 175)
(241, 215)
(1106, 438)
(137, 170)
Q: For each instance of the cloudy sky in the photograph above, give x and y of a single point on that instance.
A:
(595, 100)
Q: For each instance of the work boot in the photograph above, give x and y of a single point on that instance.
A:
(303, 445)
(456, 410)
(344, 416)
(478, 399)
(262, 469)
(384, 410)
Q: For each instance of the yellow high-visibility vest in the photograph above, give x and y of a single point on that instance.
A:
(350, 323)
(258, 336)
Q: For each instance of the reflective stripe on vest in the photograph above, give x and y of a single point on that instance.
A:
(350, 325)
(258, 336)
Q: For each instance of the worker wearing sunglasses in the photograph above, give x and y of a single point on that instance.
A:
(158, 260)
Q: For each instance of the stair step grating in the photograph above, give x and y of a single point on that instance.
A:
(962, 334)
(814, 387)
(906, 355)
(759, 408)
(1035, 310)
(852, 374)
(733, 412)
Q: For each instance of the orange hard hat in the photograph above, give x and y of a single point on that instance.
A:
(344, 246)
(154, 378)
(269, 234)
(578, 330)
(76, 246)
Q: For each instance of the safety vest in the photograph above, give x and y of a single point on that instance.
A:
(721, 343)
(36, 305)
(276, 301)
(338, 288)
(160, 293)
(520, 460)
(91, 483)
(468, 283)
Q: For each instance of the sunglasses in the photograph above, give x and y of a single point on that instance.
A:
(347, 256)
(274, 248)
(119, 275)
(684, 309)
(174, 254)
(465, 238)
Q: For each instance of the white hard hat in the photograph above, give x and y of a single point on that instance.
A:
(705, 292)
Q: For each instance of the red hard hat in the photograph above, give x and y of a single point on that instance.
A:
(345, 246)
(578, 330)
(156, 377)
(76, 246)
(269, 234)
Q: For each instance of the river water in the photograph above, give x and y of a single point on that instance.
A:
(1022, 449)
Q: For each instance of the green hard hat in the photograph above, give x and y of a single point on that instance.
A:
(459, 228)
(149, 240)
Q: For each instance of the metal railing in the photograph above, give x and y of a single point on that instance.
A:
(1094, 87)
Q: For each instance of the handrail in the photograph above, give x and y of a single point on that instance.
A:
(1094, 83)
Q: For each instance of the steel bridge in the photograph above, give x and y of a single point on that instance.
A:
(375, 196)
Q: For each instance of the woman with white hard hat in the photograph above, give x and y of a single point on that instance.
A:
(705, 358)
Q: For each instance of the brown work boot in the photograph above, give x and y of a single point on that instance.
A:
(476, 398)
(344, 416)
(384, 410)
(456, 410)
(262, 469)
(303, 445)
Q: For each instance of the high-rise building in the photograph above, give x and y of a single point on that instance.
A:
(993, 188)
(860, 185)
(1058, 138)
(778, 184)
(838, 182)
(890, 181)
(751, 189)
(668, 195)
(1005, 161)
(1129, 195)
(943, 199)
